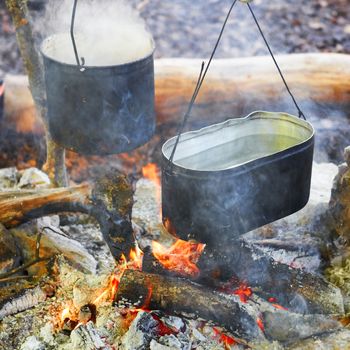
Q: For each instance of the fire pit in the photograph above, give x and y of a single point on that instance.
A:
(96, 266)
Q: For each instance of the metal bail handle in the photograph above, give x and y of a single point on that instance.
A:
(80, 65)
(203, 75)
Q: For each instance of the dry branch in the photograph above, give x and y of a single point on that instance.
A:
(20, 206)
(55, 163)
(109, 202)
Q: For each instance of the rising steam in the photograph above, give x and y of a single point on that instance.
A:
(107, 32)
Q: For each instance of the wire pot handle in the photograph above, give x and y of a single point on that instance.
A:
(203, 73)
(80, 65)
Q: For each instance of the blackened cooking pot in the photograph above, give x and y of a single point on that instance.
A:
(229, 178)
(102, 109)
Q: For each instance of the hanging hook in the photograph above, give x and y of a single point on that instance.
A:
(73, 39)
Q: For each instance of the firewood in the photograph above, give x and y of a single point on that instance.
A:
(25, 300)
(109, 202)
(241, 260)
(251, 319)
(246, 263)
(177, 295)
(18, 206)
(55, 162)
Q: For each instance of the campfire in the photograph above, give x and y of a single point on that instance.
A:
(132, 238)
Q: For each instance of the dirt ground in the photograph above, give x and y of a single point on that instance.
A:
(184, 28)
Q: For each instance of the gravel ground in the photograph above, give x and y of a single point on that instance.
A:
(184, 28)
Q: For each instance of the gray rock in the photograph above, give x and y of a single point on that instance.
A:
(156, 346)
(32, 343)
(8, 178)
(34, 178)
(140, 333)
(86, 337)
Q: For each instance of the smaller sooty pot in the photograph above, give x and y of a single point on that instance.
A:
(230, 178)
(99, 110)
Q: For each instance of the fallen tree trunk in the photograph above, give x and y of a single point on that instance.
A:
(233, 87)
(236, 87)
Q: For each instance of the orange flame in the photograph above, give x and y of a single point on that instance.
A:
(181, 257)
(260, 324)
(223, 338)
(280, 307)
(244, 292)
(111, 290)
(135, 258)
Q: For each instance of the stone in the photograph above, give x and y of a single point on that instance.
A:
(46, 334)
(171, 342)
(32, 343)
(86, 337)
(338, 340)
(140, 333)
(34, 178)
(156, 346)
(8, 178)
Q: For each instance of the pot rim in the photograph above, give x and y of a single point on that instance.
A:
(139, 60)
(245, 166)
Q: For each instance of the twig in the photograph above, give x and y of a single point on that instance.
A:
(23, 267)
(14, 278)
(36, 260)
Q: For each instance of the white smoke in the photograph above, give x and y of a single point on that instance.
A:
(107, 32)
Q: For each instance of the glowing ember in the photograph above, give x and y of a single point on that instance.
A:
(145, 306)
(244, 292)
(181, 257)
(280, 307)
(223, 338)
(260, 324)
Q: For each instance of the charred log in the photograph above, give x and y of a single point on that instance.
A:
(251, 319)
(176, 295)
(291, 286)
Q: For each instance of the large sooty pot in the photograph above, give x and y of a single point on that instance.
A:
(232, 177)
(99, 110)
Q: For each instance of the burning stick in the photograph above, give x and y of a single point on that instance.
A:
(181, 296)
(254, 319)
